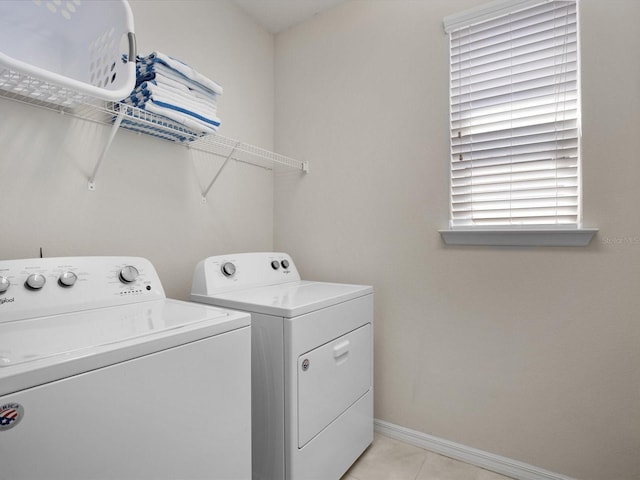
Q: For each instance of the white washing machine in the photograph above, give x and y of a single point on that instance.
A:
(312, 363)
(102, 377)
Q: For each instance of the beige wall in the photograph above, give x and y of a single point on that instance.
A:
(530, 353)
(147, 200)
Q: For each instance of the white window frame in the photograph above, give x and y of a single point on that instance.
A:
(552, 235)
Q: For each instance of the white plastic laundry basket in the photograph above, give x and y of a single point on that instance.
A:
(67, 51)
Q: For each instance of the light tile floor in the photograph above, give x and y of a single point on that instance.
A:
(390, 459)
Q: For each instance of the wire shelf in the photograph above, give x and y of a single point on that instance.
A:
(119, 115)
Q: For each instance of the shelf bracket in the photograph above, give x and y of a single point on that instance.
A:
(224, 164)
(114, 129)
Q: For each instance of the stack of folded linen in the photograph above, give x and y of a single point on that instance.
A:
(184, 98)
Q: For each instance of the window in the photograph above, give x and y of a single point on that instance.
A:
(515, 117)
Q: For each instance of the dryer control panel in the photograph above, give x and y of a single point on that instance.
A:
(242, 270)
(48, 286)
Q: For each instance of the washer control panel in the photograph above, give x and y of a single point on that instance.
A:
(225, 272)
(48, 286)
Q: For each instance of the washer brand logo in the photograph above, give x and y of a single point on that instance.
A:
(10, 415)
(6, 300)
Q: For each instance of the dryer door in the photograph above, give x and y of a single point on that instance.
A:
(331, 378)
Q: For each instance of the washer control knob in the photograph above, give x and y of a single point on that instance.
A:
(67, 279)
(275, 264)
(128, 274)
(35, 281)
(228, 269)
(285, 264)
(4, 284)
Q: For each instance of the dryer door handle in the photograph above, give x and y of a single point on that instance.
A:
(341, 349)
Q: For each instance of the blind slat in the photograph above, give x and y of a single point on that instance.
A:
(517, 108)
(569, 220)
(507, 178)
(569, 88)
(554, 148)
(552, 74)
(519, 182)
(461, 95)
(552, 64)
(506, 166)
(471, 145)
(554, 183)
(480, 197)
(516, 132)
(519, 123)
(518, 212)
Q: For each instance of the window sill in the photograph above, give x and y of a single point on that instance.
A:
(549, 237)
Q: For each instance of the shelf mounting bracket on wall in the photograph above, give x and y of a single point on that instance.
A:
(224, 164)
(112, 134)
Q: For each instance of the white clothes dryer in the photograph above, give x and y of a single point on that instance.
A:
(103, 377)
(312, 363)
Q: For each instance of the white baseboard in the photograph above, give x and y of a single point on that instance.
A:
(489, 461)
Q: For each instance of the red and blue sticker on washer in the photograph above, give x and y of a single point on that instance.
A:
(10, 415)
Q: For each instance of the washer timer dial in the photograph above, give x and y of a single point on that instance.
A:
(4, 284)
(128, 274)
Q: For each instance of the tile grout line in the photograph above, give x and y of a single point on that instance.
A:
(422, 464)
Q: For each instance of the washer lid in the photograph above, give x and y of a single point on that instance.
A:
(287, 299)
(43, 349)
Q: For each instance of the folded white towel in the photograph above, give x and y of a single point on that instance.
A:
(160, 93)
(169, 87)
(175, 112)
(172, 74)
(178, 87)
(158, 60)
(180, 115)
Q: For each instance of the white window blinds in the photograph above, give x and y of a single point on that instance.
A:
(515, 118)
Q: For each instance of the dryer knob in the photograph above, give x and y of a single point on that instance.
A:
(275, 264)
(228, 269)
(67, 279)
(285, 264)
(4, 284)
(35, 281)
(128, 274)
